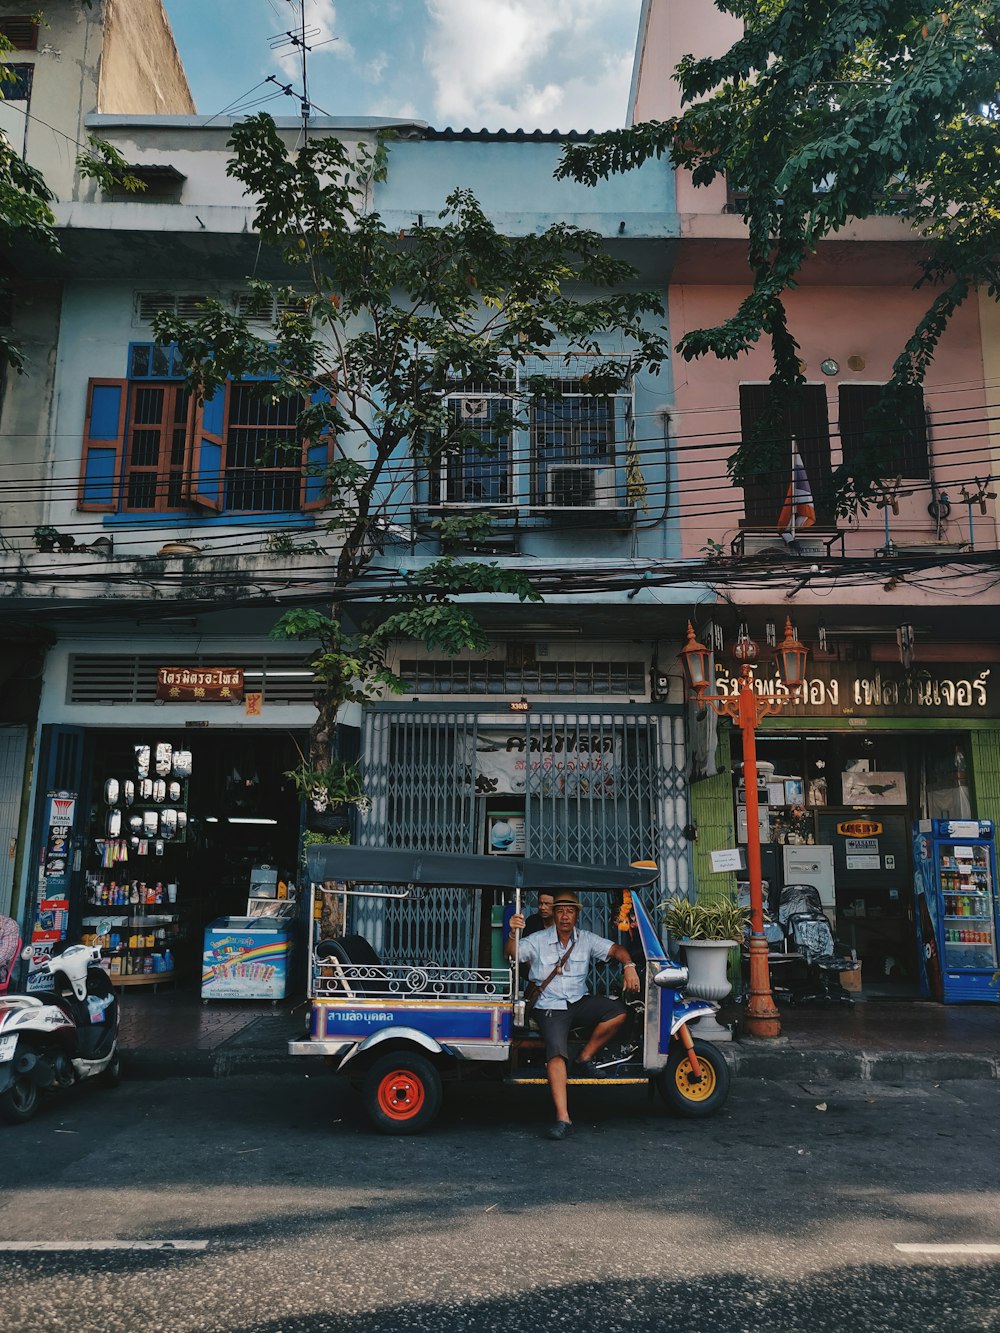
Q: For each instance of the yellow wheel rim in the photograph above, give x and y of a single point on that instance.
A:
(691, 1088)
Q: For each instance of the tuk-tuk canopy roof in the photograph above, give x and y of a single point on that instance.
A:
(396, 865)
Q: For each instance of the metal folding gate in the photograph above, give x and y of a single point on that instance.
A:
(13, 747)
(421, 775)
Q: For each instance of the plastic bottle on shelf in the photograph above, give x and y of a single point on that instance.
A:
(168, 961)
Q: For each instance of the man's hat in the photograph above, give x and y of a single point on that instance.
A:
(567, 898)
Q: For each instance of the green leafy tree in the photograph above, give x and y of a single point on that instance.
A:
(827, 110)
(392, 321)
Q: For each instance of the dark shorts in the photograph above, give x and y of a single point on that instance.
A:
(554, 1024)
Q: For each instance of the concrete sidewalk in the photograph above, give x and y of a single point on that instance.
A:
(173, 1033)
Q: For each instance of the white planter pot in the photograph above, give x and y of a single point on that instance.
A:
(707, 961)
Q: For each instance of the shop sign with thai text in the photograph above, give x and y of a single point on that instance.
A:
(200, 684)
(569, 764)
(836, 689)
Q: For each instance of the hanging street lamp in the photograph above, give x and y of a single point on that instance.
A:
(747, 708)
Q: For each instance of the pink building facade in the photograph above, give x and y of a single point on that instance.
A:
(897, 605)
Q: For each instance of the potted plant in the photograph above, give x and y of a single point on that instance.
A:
(706, 931)
(328, 790)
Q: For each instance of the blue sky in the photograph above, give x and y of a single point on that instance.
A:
(549, 64)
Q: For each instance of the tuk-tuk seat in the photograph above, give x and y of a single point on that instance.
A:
(343, 958)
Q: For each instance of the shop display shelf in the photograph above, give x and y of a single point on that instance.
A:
(142, 978)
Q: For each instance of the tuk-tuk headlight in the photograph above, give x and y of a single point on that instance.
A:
(671, 977)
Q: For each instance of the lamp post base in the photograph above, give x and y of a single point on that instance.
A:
(761, 1017)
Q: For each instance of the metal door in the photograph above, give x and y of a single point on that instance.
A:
(420, 773)
(13, 747)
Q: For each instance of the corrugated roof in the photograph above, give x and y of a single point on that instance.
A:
(509, 136)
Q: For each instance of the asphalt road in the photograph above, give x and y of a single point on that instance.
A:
(783, 1213)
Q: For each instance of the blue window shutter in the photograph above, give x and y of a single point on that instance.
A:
(103, 439)
(206, 485)
(316, 457)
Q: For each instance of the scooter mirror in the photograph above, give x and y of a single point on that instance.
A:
(671, 977)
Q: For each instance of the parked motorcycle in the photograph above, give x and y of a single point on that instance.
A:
(59, 1037)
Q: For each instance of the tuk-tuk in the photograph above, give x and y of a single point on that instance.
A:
(399, 1030)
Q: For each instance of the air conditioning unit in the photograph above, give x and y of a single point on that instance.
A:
(816, 546)
(580, 486)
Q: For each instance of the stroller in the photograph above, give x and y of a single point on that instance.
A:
(809, 935)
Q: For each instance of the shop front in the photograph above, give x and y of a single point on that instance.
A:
(843, 776)
(170, 814)
(599, 783)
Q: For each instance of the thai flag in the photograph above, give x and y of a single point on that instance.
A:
(798, 511)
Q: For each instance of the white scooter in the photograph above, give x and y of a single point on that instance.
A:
(59, 1037)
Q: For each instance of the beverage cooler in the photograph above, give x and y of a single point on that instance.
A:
(957, 912)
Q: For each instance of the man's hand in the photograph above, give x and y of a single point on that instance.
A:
(631, 980)
(516, 922)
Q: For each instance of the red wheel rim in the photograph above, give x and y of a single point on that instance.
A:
(400, 1094)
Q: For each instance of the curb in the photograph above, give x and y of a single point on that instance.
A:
(814, 1066)
(220, 1063)
(867, 1066)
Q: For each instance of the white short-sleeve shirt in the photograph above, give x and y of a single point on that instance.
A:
(542, 951)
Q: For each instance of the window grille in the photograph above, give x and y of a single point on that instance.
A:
(479, 472)
(451, 676)
(263, 451)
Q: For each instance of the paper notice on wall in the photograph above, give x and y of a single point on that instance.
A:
(864, 863)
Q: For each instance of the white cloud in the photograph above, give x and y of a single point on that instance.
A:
(517, 63)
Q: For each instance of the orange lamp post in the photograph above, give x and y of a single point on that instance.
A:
(746, 708)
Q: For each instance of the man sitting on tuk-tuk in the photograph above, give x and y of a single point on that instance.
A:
(559, 960)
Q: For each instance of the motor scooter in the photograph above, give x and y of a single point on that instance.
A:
(59, 1037)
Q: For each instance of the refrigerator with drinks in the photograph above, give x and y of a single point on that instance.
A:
(955, 890)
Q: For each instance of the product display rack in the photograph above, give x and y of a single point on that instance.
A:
(137, 939)
(136, 920)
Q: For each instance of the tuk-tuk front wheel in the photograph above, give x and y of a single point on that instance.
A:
(401, 1092)
(684, 1093)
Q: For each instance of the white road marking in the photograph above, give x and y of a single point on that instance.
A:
(949, 1249)
(39, 1246)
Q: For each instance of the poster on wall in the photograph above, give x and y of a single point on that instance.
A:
(43, 942)
(874, 788)
(505, 834)
(52, 903)
(60, 810)
(567, 764)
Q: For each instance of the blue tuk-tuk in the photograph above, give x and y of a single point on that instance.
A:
(398, 1030)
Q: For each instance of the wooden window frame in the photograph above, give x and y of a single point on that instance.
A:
(107, 470)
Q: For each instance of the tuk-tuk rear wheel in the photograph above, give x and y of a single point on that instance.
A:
(401, 1092)
(683, 1092)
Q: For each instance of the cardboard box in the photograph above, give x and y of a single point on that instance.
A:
(851, 981)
